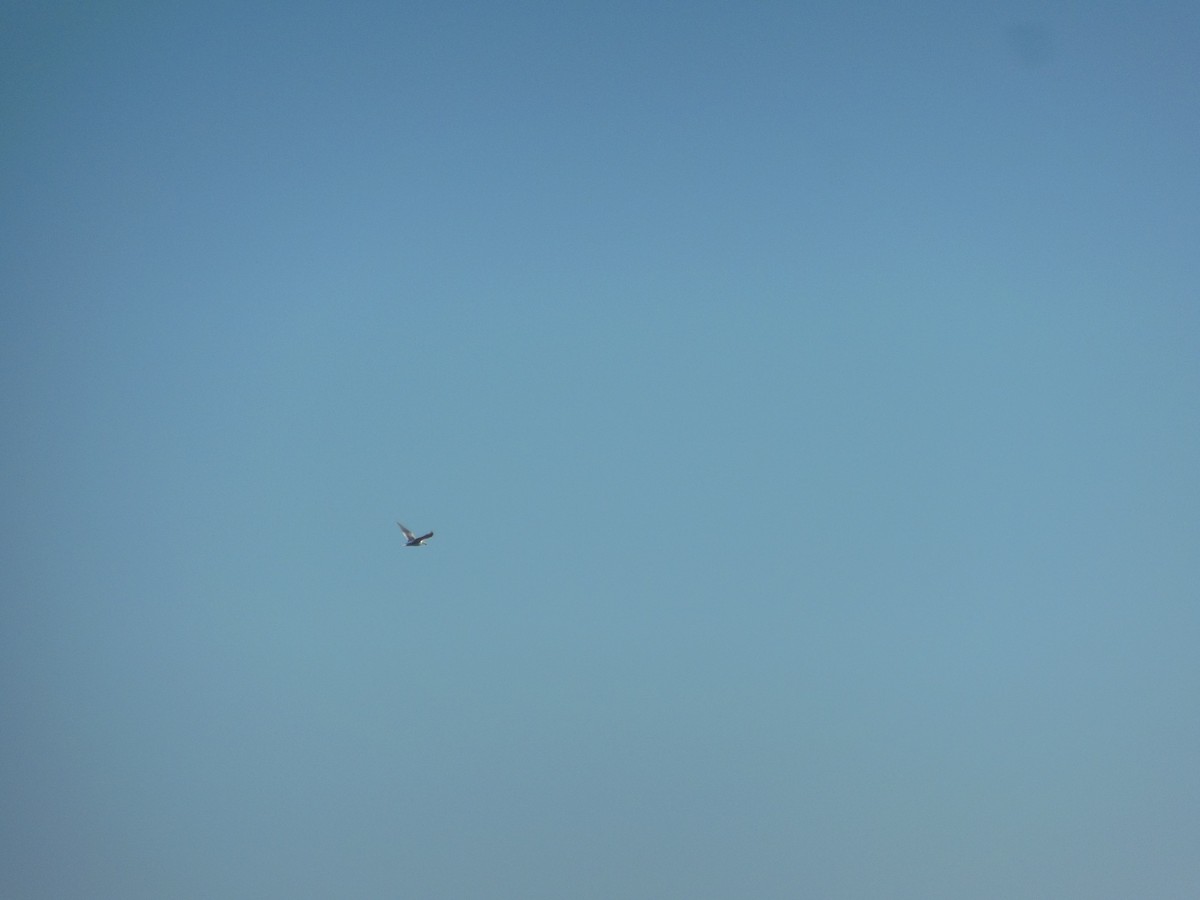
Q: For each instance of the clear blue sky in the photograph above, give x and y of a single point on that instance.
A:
(806, 398)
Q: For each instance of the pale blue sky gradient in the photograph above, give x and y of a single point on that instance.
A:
(806, 398)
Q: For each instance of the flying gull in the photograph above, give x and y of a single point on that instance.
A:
(413, 540)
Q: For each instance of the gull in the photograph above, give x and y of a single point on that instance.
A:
(413, 540)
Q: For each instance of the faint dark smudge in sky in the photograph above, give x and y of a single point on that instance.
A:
(1032, 43)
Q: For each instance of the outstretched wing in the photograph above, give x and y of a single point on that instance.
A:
(425, 537)
(407, 534)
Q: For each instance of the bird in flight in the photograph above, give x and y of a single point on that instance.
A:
(413, 540)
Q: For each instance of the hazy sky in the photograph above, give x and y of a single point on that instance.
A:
(806, 398)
